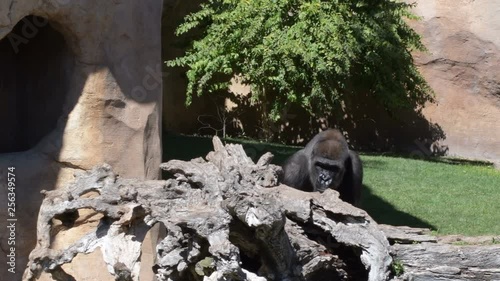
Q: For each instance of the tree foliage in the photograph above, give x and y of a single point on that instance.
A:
(311, 52)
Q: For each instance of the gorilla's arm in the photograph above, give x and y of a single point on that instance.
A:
(350, 188)
(296, 171)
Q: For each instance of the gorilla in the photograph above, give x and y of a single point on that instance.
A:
(326, 162)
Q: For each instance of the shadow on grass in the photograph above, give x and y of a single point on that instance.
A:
(384, 212)
(373, 163)
(436, 159)
(184, 147)
(188, 147)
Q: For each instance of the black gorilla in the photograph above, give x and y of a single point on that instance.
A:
(326, 162)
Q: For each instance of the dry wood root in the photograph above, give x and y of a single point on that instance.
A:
(226, 218)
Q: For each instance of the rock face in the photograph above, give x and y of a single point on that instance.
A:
(463, 67)
(80, 84)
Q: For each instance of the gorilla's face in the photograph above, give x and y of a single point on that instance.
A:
(327, 164)
(327, 174)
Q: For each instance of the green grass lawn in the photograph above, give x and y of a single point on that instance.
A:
(449, 198)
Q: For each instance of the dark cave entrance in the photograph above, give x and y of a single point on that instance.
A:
(35, 73)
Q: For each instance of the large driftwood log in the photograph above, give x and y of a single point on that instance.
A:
(436, 261)
(226, 218)
(422, 257)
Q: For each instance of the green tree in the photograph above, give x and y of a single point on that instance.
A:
(314, 53)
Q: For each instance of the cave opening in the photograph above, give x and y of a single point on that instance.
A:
(35, 74)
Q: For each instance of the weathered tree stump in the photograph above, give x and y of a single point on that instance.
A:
(226, 218)
(422, 257)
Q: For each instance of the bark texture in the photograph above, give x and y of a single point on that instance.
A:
(226, 218)
(421, 257)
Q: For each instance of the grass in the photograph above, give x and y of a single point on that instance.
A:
(189, 147)
(450, 197)
(397, 268)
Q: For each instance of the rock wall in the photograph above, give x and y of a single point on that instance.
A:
(463, 67)
(80, 84)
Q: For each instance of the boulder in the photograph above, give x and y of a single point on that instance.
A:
(80, 84)
(462, 65)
